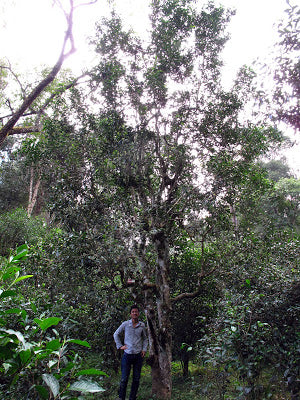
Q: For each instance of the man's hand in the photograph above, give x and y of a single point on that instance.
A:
(123, 347)
(143, 353)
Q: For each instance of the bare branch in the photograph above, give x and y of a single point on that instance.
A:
(24, 115)
(191, 295)
(9, 68)
(197, 292)
(85, 4)
(7, 128)
(9, 105)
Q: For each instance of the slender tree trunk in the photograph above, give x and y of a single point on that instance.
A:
(234, 217)
(33, 191)
(160, 338)
(185, 363)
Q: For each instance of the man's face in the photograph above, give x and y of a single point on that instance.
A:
(134, 313)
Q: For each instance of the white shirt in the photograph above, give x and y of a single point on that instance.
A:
(135, 338)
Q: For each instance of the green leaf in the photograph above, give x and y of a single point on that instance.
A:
(53, 345)
(21, 248)
(10, 273)
(51, 363)
(24, 314)
(18, 334)
(5, 340)
(68, 367)
(86, 387)
(91, 371)
(22, 252)
(7, 293)
(47, 322)
(21, 278)
(13, 311)
(25, 356)
(52, 383)
(80, 342)
(42, 391)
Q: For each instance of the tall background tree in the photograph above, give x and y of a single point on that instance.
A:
(163, 156)
(287, 74)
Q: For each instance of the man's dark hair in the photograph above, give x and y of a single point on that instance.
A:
(133, 307)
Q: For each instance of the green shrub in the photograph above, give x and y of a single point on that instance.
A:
(35, 358)
(17, 228)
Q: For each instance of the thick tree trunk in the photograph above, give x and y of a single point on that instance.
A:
(159, 360)
(160, 339)
(161, 375)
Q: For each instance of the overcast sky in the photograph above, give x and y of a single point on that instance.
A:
(31, 32)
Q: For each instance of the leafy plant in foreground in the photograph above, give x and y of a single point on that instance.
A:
(34, 358)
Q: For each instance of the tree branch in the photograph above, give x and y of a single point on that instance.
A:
(24, 115)
(9, 68)
(4, 132)
(60, 91)
(17, 130)
(187, 295)
(128, 284)
(88, 3)
(196, 293)
(31, 129)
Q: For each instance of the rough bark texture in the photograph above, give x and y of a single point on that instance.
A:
(160, 339)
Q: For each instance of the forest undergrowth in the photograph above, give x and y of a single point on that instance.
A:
(203, 383)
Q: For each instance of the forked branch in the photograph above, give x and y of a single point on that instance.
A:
(68, 48)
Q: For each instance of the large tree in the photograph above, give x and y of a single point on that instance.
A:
(162, 157)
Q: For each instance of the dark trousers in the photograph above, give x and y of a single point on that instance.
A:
(128, 360)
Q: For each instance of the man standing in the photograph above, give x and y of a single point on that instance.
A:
(135, 347)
